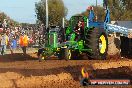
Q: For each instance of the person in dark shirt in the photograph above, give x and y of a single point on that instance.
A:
(79, 30)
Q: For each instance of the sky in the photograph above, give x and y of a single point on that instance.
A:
(24, 10)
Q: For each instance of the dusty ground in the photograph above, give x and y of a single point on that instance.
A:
(18, 71)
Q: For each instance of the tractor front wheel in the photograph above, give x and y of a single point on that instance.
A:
(70, 54)
(67, 54)
(40, 55)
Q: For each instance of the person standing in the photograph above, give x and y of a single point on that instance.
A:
(5, 23)
(23, 41)
(13, 44)
(4, 43)
(10, 43)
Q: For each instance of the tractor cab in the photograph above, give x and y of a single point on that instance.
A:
(76, 28)
(78, 22)
(53, 36)
(52, 40)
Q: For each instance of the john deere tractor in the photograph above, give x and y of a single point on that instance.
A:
(82, 37)
(53, 37)
(77, 38)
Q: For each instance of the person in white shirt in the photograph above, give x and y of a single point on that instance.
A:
(4, 43)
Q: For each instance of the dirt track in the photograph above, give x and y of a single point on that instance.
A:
(25, 71)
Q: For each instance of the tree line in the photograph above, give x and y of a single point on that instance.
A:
(10, 22)
(119, 10)
(56, 8)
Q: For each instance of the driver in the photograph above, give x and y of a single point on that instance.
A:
(79, 29)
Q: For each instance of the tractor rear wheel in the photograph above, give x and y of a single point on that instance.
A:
(97, 41)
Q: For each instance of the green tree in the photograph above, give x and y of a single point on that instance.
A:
(57, 11)
(2, 16)
(10, 21)
(120, 9)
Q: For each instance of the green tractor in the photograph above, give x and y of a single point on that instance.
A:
(77, 38)
(53, 38)
(81, 38)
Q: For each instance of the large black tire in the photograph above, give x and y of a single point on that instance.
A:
(41, 58)
(93, 41)
(68, 54)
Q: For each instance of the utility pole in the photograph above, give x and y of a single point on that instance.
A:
(63, 22)
(47, 24)
(47, 18)
(96, 3)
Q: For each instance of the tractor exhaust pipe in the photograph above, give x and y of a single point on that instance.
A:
(63, 29)
(63, 22)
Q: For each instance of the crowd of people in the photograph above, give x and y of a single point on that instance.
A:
(17, 37)
(13, 40)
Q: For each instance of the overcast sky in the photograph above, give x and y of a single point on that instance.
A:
(24, 10)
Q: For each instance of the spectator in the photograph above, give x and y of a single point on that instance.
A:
(5, 24)
(1, 27)
(23, 41)
(4, 43)
(13, 43)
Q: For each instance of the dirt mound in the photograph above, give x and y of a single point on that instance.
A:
(114, 73)
(62, 80)
(7, 79)
(59, 81)
(14, 80)
(116, 64)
